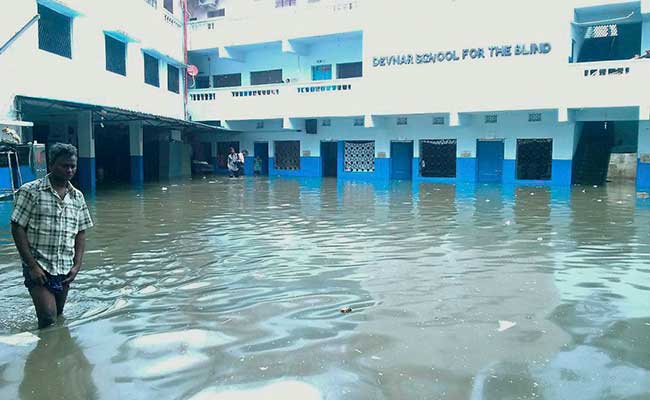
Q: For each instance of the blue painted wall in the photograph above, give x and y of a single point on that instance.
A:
(309, 167)
(86, 174)
(5, 179)
(465, 171)
(248, 165)
(560, 174)
(643, 176)
(137, 170)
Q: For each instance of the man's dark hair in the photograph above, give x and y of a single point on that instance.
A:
(62, 150)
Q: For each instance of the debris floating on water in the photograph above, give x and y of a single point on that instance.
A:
(164, 188)
(346, 310)
(505, 325)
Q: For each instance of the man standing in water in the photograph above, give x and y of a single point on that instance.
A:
(48, 224)
(233, 163)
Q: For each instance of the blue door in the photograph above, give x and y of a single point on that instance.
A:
(489, 154)
(261, 158)
(401, 154)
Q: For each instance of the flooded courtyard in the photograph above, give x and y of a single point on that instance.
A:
(232, 289)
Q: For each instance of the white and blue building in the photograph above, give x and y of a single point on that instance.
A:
(524, 92)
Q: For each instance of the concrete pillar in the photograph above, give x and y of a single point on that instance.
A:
(213, 156)
(86, 142)
(643, 168)
(136, 140)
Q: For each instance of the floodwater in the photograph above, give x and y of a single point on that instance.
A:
(231, 289)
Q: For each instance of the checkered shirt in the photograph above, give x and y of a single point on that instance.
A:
(52, 224)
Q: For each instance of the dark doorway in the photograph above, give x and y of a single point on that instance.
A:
(113, 161)
(401, 156)
(591, 159)
(329, 158)
(489, 154)
(261, 151)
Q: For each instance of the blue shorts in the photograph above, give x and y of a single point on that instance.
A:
(54, 282)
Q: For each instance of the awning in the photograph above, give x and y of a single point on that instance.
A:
(15, 123)
(33, 106)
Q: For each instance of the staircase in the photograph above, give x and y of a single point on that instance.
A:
(591, 160)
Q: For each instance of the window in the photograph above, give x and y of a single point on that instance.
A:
(227, 80)
(438, 120)
(223, 149)
(438, 158)
(287, 155)
(349, 70)
(266, 77)
(218, 13)
(402, 121)
(173, 80)
(260, 125)
(115, 55)
(151, 70)
(284, 3)
(327, 122)
(535, 117)
(202, 82)
(359, 156)
(534, 159)
(491, 119)
(321, 72)
(358, 122)
(54, 32)
(610, 42)
(169, 5)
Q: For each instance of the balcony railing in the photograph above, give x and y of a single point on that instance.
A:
(336, 97)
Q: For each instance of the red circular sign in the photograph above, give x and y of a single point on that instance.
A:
(192, 70)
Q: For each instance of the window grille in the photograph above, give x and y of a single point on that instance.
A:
(227, 80)
(535, 117)
(218, 13)
(534, 159)
(284, 3)
(202, 82)
(491, 119)
(115, 55)
(402, 121)
(151, 70)
(601, 31)
(327, 122)
(438, 158)
(438, 120)
(260, 125)
(266, 77)
(349, 70)
(287, 155)
(173, 79)
(359, 156)
(54, 32)
(359, 122)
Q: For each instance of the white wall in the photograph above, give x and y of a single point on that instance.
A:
(510, 126)
(524, 82)
(28, 71)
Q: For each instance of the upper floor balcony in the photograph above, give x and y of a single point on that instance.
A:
(340, 97)
(273, 20)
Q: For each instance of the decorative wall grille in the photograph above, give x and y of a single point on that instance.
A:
(438, 158)
(287, 155)
(359, 156)
(534, 159)
(438, 120)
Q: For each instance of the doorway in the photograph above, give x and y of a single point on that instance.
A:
(489, 154)
(261, 150)
(401, 155)
(329, 158)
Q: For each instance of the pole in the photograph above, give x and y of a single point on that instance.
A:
(20, 32)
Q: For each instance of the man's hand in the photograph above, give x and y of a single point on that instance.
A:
(71, 275)
(36, 274)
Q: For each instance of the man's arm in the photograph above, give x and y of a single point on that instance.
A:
(20, 238)
(79, 249)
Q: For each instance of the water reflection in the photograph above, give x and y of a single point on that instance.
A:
(57, 369)
(220, 287)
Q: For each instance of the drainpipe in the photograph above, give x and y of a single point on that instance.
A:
(185, 58)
